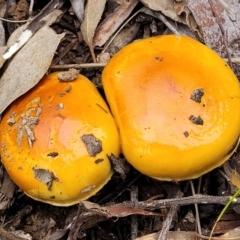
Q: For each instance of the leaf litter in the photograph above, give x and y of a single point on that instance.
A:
(185, 16)
(29, 63)
(92, 16)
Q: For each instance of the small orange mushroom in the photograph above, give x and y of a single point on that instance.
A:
(176, 104)
(55, 140)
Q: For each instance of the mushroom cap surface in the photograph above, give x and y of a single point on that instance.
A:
(55, 141)
(176, 104)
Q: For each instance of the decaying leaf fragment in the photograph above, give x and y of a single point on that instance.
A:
(112, 22)
(91, 213)
(212, 19)
(30, 64)
(93, 145)
(124, 37)
(92, 16)
(44, 176)
(78, 8)
(30, 28)
(175, 10)
(232, 170)
(177, 235)
(208, 24)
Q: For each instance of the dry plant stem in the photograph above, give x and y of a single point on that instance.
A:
(116, 194)
(230, 10)
(13, 21)
(233, 60)
(162, 235)
(166, 22)
(126, 22)
(31, 8)
(81, 65)
(101, 65)
(37, 21)
(196, 210)
(65, 51)
(225, 176)
(195, 199)
(199, 185)
(134, 222)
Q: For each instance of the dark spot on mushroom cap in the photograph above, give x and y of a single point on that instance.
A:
(196, 120)
(158, 58)
(93, 145)
(52, 154)
(68, 89)
(186, 134)
(197, 95)
(99, 160)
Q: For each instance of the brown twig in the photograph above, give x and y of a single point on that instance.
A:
(162, 235)
(134, 222)
(195, 199)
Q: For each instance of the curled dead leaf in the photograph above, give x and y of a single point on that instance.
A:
(112, 22)
(78, 8)
(175, 10)
(92, 16)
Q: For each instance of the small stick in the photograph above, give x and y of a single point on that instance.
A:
(134, 222)
(162, 235)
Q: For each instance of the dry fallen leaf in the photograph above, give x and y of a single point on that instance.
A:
(32, 27)
(233, 234)
(232, 169)
(204, 16)
(211, 23)
(124, 37)
(169, 8)
(112, 22)
(92, 16)
(90, 213)
(178, 235)
(28, 66)
(219, 24)
(175, 10)
(3, 7)
(78, 8)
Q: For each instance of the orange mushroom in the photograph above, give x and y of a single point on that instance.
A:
(176, 104)
(56, 139)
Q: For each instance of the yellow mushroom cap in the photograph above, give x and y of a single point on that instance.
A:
(176, 104)
(55, 141)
